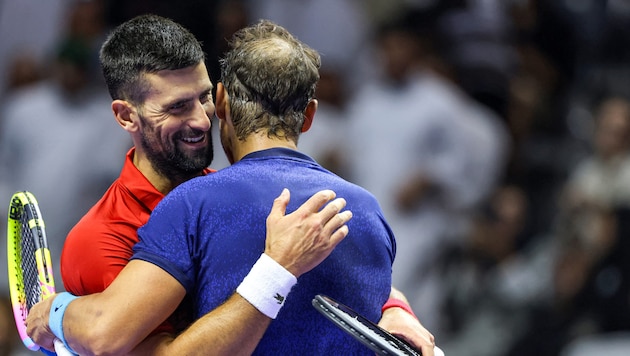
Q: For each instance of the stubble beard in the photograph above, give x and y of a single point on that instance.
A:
(174, 163)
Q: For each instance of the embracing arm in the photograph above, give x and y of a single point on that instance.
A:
(298, 244)
(114, 321)
(143, 295)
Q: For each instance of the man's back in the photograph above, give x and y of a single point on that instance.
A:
(224, 222)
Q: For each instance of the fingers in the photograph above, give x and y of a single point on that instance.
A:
(427, 350)
(302, 239)
(279, 207)
(315, 202)
(336, 226)
(312, 205)
(37, 324)
(331, 217)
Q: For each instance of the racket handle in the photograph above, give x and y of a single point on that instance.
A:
(61, 350)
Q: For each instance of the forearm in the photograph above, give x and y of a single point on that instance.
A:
(234, 328)
(396, 294)
(92, 326)
(115, 321)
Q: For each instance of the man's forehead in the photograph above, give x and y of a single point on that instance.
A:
(179, 82)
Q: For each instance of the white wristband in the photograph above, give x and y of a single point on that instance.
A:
(267, 285)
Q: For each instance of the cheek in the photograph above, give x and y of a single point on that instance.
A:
(209, 108)
(161, 137)
(167, 131)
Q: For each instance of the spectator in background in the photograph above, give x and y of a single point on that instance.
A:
(589, 287)
(43, 127)
(588, 246)
(492, 279)
(201, 17)
(338, 29)
(428, 152)
(554, 290)
(325, 140)
(23, 70)
(602, 177)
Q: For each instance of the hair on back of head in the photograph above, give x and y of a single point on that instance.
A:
(270, 76)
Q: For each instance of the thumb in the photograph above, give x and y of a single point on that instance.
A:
(280, 204)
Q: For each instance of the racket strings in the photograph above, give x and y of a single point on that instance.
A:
(28, 263)
(41, 241)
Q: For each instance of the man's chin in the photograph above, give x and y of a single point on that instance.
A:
(190, 160)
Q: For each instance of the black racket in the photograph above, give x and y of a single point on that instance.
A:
(364, 330)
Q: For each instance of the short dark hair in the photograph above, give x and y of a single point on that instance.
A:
(270, 77)
(145, 44)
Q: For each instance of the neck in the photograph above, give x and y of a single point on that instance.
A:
(259, 142)
(161, 182)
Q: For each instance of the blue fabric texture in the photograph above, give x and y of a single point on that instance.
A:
(208, 233)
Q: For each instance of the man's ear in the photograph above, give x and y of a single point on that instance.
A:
(221, 101)
(309, 114)
(123, 111)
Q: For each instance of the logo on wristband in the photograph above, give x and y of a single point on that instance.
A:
(279, 298)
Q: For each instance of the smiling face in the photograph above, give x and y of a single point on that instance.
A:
(173, 122)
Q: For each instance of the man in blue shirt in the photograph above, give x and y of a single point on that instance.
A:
(265, 100)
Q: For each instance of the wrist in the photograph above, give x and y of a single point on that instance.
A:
(57, 312)
(266, 286)
(397, 303)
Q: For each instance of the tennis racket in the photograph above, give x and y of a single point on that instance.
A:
(364, 330)
(30, 266)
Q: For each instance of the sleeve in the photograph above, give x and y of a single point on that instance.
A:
(95, 253)
(91, 259)
(164, 240)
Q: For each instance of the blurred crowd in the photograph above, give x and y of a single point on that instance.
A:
(494, 133)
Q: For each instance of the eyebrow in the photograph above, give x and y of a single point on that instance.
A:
(187, 99)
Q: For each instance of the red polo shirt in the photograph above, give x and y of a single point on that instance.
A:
(100, 244)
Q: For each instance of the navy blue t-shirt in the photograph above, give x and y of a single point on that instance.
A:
(209, 232)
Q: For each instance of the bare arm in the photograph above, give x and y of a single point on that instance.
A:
(401, 323)
(143, 295)
(234, 328)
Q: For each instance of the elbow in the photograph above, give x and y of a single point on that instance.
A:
(103, 341)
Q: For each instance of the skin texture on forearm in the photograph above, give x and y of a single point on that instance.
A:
(395, 293)
(115, 321)
(234, 328)
(121, 320)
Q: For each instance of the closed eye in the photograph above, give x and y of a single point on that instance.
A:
(205, 97)
(177, 106)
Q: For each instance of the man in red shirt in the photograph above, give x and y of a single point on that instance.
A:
(89, 265)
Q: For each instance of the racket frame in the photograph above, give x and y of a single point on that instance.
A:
(377, 338)
(23, 204)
